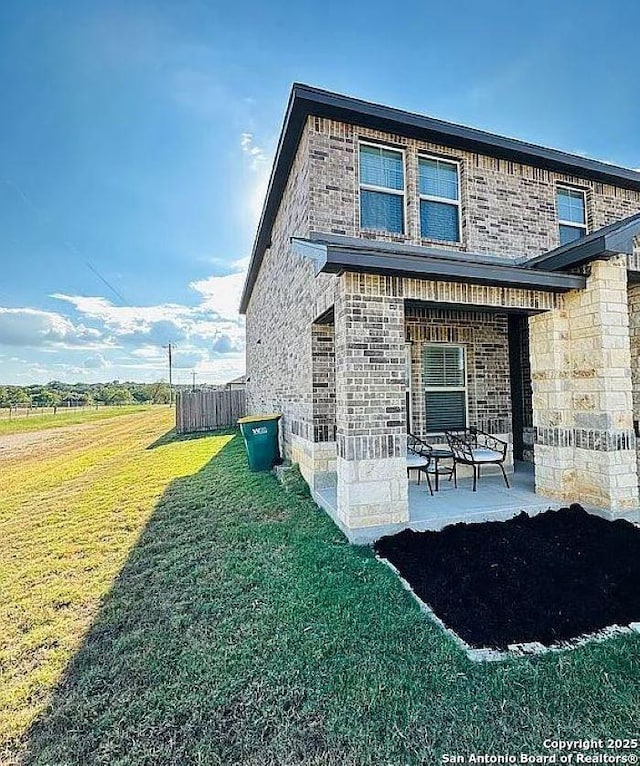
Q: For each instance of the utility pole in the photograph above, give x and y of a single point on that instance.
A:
(170, 376)
(193, 385)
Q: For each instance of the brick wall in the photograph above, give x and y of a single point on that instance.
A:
(324, 382)
(485, 338)
(285, 301)
(507, 208)
(370, 408)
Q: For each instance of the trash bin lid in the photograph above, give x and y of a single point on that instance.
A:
(255, 418)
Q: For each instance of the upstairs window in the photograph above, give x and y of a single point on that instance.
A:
(439, 188)
(381, 189)
(445, 388)
(572, 218)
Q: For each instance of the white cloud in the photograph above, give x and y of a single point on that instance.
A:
(152, 353)
(128, 341)
(258, 157)
(33, 327)
(220, 295)
(207, 336)
(96, 362)
(125, 320)
(259, 164)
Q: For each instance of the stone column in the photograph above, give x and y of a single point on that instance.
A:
(370, 408)
(634, 339)
(549, 356)
(582, 394)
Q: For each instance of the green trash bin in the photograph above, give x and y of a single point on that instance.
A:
(260, 434)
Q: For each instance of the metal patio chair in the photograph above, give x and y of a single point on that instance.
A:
(475, 448)
(418, 458)
(423, 457)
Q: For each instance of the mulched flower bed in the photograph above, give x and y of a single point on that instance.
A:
(546, 578)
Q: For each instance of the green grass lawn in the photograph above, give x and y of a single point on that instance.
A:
(166, 606)
(35, 422)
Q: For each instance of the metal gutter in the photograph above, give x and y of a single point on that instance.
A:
(429, 263)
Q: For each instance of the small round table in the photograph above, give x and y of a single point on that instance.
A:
(438, 454)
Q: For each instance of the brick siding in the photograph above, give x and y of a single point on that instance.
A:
(507, 209)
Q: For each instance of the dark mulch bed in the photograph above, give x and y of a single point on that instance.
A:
(546, 578)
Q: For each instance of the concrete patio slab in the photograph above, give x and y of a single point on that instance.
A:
(491, 502)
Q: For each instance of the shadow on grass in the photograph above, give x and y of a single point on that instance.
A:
(173, 436)
(243, 629)
(172, 668)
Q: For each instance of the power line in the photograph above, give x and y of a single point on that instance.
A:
(110, 286)
(43, 217)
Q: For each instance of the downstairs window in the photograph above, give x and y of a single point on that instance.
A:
(445, 388)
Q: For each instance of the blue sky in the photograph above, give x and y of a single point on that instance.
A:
(136, 139)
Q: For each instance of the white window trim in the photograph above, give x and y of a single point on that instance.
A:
(383, 189)
(464, 388)
(572, 224)
(445, 200)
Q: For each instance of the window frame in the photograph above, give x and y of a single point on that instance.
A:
(383, 189)
(464, 388)
(584, 227)
(442, 200)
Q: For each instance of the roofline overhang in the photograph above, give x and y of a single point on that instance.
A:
(306, 101)
(432, 264)
(615, 239)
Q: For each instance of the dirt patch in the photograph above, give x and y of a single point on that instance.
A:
(31, 443)
(547, 578)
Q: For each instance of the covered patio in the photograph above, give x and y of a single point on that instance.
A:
(420, 341)
(491, 502)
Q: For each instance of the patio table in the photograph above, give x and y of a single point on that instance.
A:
(442, 453)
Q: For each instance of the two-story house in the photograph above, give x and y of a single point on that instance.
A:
(409, 274)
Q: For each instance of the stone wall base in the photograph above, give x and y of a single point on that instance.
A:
(372, 492)
(317, 461)
(604, 480)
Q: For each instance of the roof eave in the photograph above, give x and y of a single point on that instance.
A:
(389, 119)
(615, 239)
(332, 259)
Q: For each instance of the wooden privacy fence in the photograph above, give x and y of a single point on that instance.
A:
(208, 410)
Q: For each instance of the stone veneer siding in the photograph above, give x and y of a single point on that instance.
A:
(582, 394)
(634, 342)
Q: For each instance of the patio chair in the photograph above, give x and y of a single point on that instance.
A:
(475, 448)
(423, 457)
(419, 458)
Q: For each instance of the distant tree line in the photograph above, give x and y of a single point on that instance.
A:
(57, 394)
